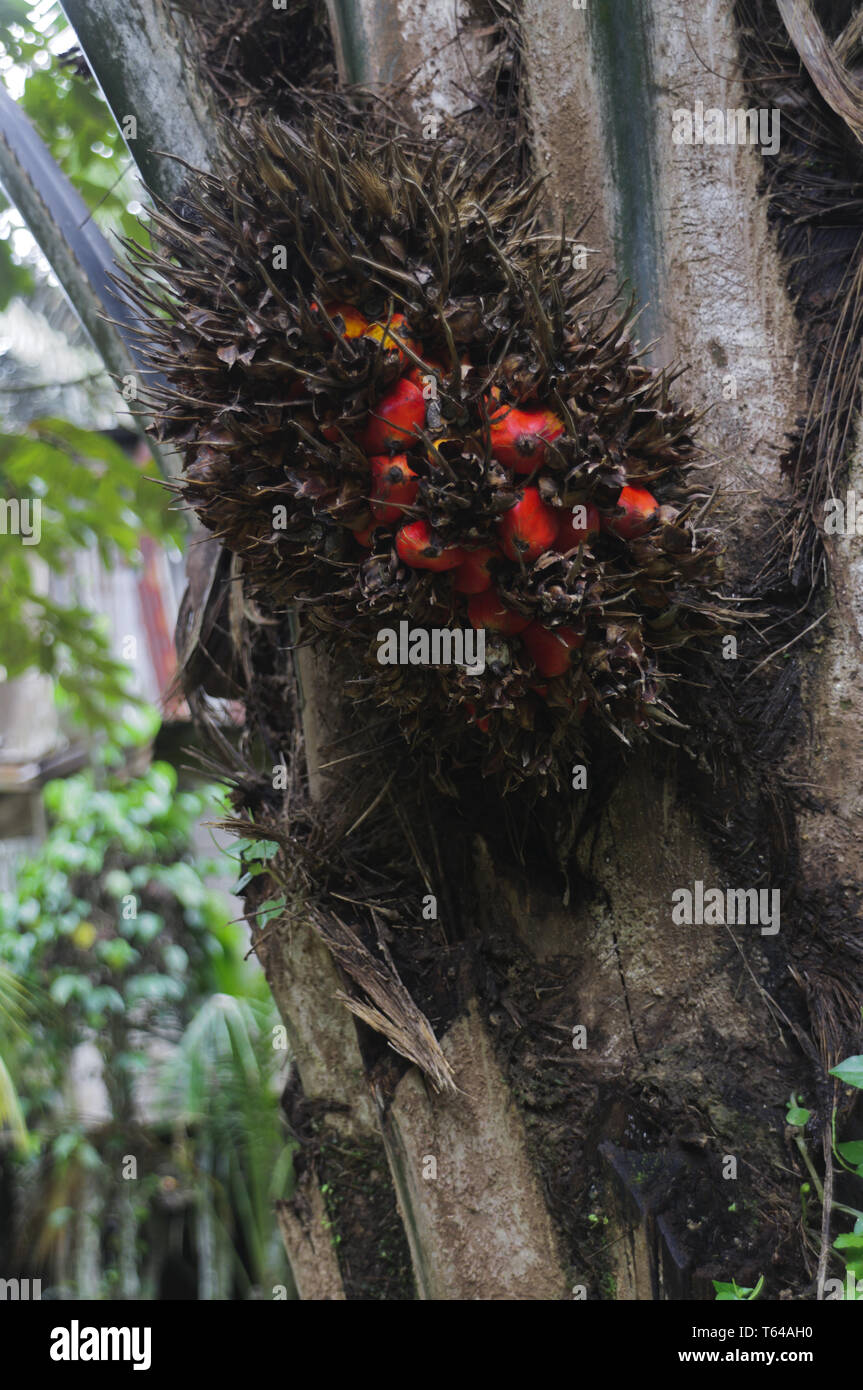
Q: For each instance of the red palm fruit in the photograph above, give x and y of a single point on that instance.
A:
(639, 510)
(394, 486)
(569, 535)
(487, 610)
(417, 546)
(394, 336)
(392, 422)
(472, 575)
(550, 648)
(519, 437)
(529, 528)
(355, 322)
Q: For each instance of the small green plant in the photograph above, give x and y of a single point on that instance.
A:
(850, 1072)
(733, 1292)
(850, 1156)
(795, 1114)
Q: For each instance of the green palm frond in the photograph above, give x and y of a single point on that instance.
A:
(222, 1084)
(12, 1011)
(11, 1115)
(13, 1001)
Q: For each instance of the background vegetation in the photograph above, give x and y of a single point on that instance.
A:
(141, 1144)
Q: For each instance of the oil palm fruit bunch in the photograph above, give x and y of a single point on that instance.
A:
(397, 399)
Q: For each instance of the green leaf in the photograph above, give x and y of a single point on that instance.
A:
(273, 907)
(144, 928)
(262, 849)
(851, 1248)
(849, 1242)
(116, 953)
(251, 850)
(117, 883)
(65, 1145)
(105, 999)
(734, 1293)
(90, 1157)
(60, 1217)
(850, 1071)
(176, 960)
(67, 987)
(154, 989)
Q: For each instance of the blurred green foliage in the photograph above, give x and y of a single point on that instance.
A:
(73, 120)
(95, 497)
(113, 937)
(112, 919)
(218, 1087)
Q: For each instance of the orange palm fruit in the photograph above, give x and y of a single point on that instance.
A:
(389, 331)
(355, 323)
(639, 511)
(393, 335)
